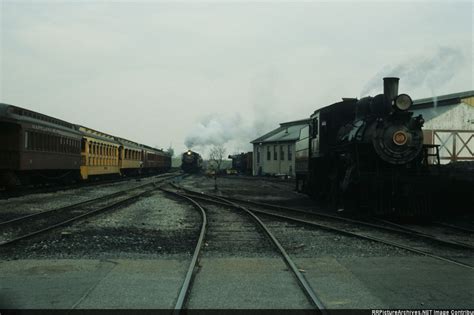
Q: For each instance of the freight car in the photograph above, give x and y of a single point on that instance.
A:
(242, 163)
(366, 155)
(36, 148)
(191, 162)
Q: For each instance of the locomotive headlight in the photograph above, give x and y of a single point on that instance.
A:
(189, 152)
(403, 102)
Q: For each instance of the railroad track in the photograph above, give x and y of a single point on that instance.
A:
(413, 242)
(455, 227)
(192, 269)
(26, 226)
(49, 188)
(382, 225)
(441, 228)
(255, 178)
(186, 288)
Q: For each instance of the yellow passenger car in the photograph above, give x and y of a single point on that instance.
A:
(130, 157)
(99, 153)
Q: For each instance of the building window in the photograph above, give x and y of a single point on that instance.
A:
(258, 155)
(275, 154)
(268, 153)
(289, 153)
(282, 153)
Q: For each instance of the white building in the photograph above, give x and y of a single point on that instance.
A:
(274, 152)
(449, 123)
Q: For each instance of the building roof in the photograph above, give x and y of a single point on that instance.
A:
(288, 131)
(432, 107)
(442, 100)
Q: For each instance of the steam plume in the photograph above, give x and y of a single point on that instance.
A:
(432, 71)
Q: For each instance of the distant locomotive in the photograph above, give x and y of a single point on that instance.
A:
(242, 163)
(191, 162)
(36, 148)
(366, 155)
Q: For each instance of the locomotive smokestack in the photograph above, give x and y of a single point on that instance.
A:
(390, 90)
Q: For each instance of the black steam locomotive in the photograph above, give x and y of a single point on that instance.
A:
(191, 162)
(366, 155)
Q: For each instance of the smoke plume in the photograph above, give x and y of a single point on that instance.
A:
(235, 131)
(215, 130)
(432, 71)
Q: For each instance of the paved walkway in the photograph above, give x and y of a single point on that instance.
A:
(412, 282)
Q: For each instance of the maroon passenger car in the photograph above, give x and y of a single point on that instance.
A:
(34, 147)
(155, 160)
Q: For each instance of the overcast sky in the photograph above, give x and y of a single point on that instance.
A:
(179, 73)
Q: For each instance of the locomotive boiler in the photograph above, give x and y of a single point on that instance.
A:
(366, 155)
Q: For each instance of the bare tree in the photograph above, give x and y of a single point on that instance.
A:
(215, 157)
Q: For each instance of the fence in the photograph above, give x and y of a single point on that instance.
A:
(454, 145)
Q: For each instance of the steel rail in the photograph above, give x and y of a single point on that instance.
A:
(185, 287)
(25, 190)
(68, 207)
(89, 213)
(82, 203)
(410, 230)
(254, 178)
(455, 227)
(343, 219)
(75, 218)
(372, 238)
(304, 284)
(353, 234)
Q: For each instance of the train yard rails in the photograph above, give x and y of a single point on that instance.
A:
(386, 226)
(221, 232)
(456, 227)
(33, 224)
(155, 254)
(417, 243)
(461, 237)
(30, 190)
(15, 208)
(277, 179)
(186, 286)
(306, 287)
